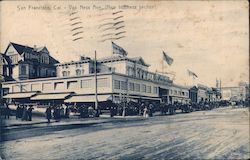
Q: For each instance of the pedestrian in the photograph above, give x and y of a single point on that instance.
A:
(61, 111)
(67, 112)
(145, 113)
(29, 113)
(7, 111)
(142, 106)
(81, 112)
(17, 111)
(57, 114)
(20, 114)
(48, 114)
(90, 111)
(151, 110)
(24, 114)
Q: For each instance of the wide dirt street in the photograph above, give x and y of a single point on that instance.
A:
(217, 134)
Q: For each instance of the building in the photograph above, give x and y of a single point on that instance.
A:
(236, 93)
(24, 62)
(127, 79)
(178, 93)
(202, 93)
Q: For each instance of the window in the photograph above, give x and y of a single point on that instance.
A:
(137, 87)
(175, 92)
(148, 89)
(23, 70)
(155, 90)
(143, 88)
(16, 88)
(35, 87)
(78, 72)
(131, 86)
(117, 84)
(47, 86)
(59, 85)
(24, 88)
(102, 82)
(86, 83)
(64, 74)
(124, 85)
(72, 85)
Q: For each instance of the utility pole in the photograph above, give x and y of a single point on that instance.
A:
(96, 99)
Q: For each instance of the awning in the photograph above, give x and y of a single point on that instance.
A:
(20, 95)
(141, 97)
(149, 98)
(87, 98)
(50, 96)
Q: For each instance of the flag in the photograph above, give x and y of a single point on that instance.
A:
(118, 50)
(190, 73)
(168, 59)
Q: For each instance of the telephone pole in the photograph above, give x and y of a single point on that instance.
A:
(96, 99)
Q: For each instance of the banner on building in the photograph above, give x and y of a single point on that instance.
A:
(118, 50)
(167, 58)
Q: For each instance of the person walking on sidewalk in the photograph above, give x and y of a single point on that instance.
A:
(48, 114)
(145, 113)
(67, 112)
(29, 113)
(18, 111)
(7, 111)
(24, 116)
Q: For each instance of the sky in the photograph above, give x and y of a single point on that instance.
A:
(210, 38)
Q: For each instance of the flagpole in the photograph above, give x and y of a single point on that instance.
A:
(96, 99)
(162, 66)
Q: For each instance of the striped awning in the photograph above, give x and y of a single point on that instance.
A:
(51, 96)
(87, 98)
(20, 95)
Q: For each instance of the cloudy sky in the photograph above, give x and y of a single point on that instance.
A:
(211, 38)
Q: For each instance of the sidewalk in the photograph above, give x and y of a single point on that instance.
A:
(41, 121)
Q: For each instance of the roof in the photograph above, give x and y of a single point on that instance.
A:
(6, 59)
(123, 58)
(74, 62)
(21, 49)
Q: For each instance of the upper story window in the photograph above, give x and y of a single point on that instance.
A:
(148, 89)
(65, 73)
(131, 86)
(23, 69)
(143, 88)
(175, 92)
(124, 85)
(155, 90)
(78, 72)
(137, 87)
(117, 84)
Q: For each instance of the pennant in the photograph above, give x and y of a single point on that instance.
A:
(168, 59)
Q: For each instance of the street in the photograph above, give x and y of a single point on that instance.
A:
(222, 133)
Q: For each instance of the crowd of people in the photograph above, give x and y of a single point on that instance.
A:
(56, 112)
(145, 109)
(23, 112)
